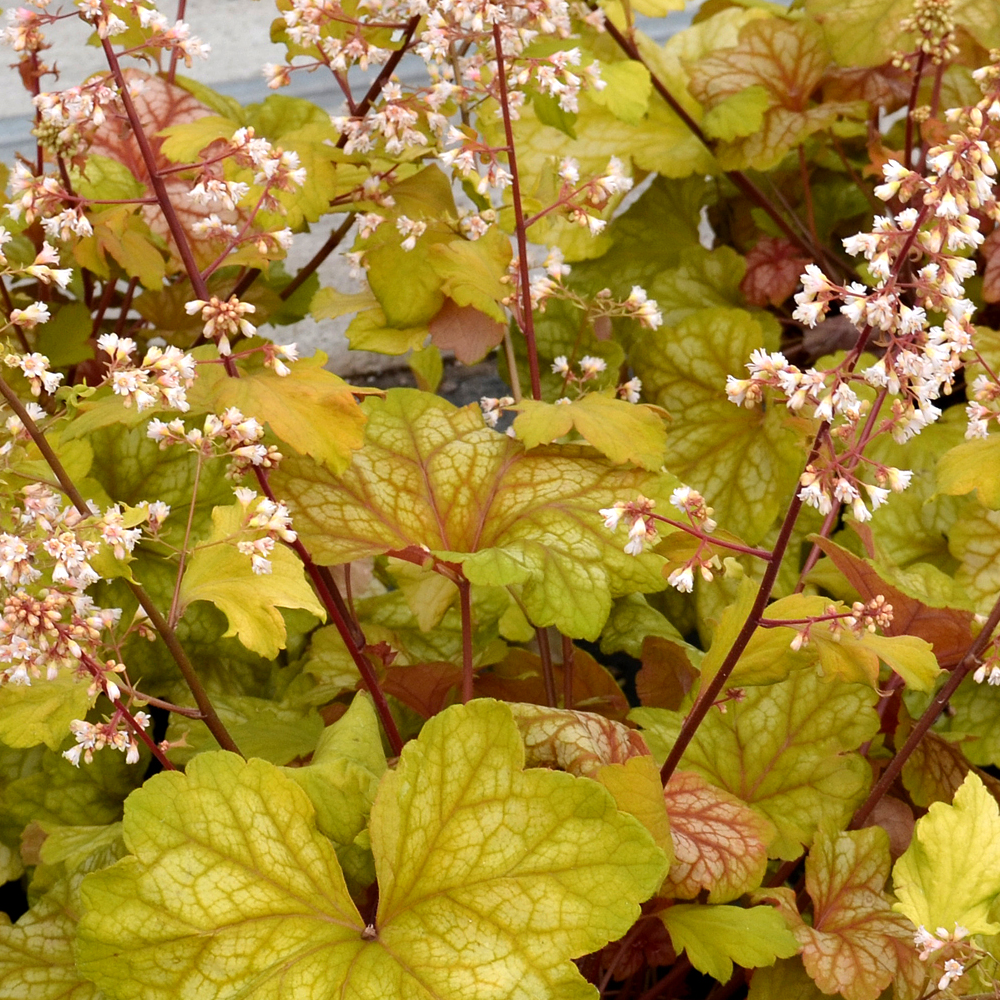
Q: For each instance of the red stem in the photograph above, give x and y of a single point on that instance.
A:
(468, 677)
(568, 664)
(547, 675)
(528, 318)
(325, 589)
(707, 696)
(924, 723)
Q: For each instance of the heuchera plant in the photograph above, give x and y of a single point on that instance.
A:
(674, 672)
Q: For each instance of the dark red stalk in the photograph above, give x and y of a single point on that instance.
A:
(931, 713)
(468, 677)
(334, 606)
(569, 665)
(707, 696)
(545, 653)
(527, 318)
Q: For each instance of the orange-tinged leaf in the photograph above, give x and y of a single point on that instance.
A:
(948, 630)
(519, 678)
(423, 686)
(577, 742)
(310, 409)
(467, 331)
(774, 265)
(433, 477)
(667, 673)
(937, 767)
(720, 843)
(856, 941)
(788, 59)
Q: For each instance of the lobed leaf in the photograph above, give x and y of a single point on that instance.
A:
(940, 884)
(220, 574)
(720, 843)
(716, 936)
(785, 750)
(433, 477)
(745, 462)
(855, 944)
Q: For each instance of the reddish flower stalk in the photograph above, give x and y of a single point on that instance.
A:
(325, 589)
(527, 317)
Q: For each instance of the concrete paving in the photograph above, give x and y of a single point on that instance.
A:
(238, 31)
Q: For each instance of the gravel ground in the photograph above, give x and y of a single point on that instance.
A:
(238, 31)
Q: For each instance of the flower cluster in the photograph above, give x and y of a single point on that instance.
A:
(68, 119)
(115, 733)
(862, 617)
(161, 379)
(269, 521)
(238, 438)
(638, 515)
(950, 952)
(223, 319)
(548, 283)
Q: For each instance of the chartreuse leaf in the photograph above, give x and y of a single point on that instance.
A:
(343, 775)
(744, 461)
(720, 843)
(856, 657)
(974, 465)
(855, 943)
(42, 711)
(220, 574)
(950, 873)
(716, 936)
(782, 981)
(738, 114)
(627, 91)
(768, 656)
(631, 621)
(491, 879)
(406, 284)
(974, 541)
(471, 271)
(638, 791)
(260, 727)
(867, 32)
(623, 431)
(341, 781)
(310, 408)
(434, 476)
(785, 750)
(36, 953)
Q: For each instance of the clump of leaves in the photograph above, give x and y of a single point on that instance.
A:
(313, 690)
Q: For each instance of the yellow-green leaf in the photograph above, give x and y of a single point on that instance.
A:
(625, 432)
(310, 408)
(950, 873)
(746, 462)
(491, 879)
(42, 711)
(36, 953)
(716, 936)
(786, 750)
(432, 475)
(220, 574)
(974, 465)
